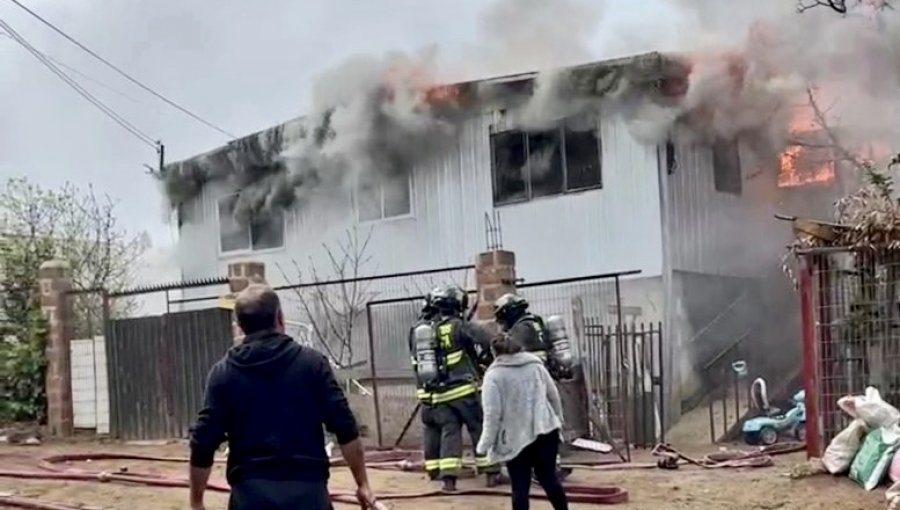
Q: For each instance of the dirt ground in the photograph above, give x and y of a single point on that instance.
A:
(685, 489)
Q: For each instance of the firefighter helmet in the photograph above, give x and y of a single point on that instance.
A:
(509, 305)
(445, 299)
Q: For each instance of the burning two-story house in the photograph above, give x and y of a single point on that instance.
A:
(582, 192)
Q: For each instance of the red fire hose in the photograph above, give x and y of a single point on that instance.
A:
(50, 471)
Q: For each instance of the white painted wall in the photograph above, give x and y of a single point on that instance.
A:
(615, 228)
(90, 393)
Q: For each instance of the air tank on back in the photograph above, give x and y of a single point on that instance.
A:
(426, 362)
(559, 337)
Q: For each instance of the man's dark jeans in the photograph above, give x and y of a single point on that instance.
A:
(259, 494)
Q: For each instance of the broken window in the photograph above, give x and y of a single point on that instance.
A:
(510, 157)
(727, 176)
(389, 197)
(545, 163)
(583, 151)
(807, 161)
(263, 233)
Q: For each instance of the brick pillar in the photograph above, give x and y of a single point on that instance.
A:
(54, 281)
(240, 276)
(495, 275)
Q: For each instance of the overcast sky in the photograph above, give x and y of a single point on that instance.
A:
(244, 65)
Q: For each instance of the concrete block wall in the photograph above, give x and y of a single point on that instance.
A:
(90, 391)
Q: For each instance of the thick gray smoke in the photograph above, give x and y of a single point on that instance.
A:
(753, 61)
(746, 67)
(373, 116)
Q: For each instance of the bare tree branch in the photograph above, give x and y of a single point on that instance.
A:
(821, 120)
(841, 6)
(334, 304)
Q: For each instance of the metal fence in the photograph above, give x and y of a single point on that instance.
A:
(156, 364)
(624, 372)
(850, 304)
(593, 300)
(330, 315)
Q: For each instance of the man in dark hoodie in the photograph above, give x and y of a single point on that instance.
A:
(270, 398)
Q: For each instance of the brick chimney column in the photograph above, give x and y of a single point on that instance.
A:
(54, 281)
(240, 276)
(495, 275)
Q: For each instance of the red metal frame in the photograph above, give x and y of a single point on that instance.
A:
(810, 361)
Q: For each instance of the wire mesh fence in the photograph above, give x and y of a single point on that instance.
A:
(851, 333)
(330, 315)
(592, 301)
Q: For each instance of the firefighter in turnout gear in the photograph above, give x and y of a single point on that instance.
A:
(545, 339)
(445, 358)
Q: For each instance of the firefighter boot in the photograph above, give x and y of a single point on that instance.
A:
(495, 480)
(449, 484)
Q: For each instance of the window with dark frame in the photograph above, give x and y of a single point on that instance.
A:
(380, 199)
(727, 167)
(528, 165)
(263, 233)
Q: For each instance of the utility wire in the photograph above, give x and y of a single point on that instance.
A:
(86, 76)
(121, 72)
(109, 112)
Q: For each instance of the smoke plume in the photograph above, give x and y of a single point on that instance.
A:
(731, 69)
(372, 116)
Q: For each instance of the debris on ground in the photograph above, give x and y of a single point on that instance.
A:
(811, 467)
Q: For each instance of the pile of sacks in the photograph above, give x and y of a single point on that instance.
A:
(869, 448)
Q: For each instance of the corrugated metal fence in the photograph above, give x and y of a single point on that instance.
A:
(157, 370)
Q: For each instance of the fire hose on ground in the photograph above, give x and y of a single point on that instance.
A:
(668, 458)
(48, 469)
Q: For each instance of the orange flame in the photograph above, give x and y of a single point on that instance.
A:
(422, 84)
(800, 164)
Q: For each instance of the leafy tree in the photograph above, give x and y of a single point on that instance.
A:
(37, 225)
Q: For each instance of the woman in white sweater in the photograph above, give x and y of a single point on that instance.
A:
(522, 422)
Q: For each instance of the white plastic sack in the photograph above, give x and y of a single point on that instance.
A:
(848, 405)
(843, 448)
(873, 410)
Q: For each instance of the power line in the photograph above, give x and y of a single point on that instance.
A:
(121, 72)
(86, 76)
(109, 112)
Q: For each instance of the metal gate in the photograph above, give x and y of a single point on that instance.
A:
(157, 370)
(624, 375)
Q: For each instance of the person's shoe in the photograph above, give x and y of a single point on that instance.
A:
(495, 480)
(563, 472)
(449, 485)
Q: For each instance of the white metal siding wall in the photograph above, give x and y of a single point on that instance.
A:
(718, 233)
(90, 393)
(615, 228)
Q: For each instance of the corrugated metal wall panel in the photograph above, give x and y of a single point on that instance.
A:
(616, 228)
(714, 232)
(157, 370)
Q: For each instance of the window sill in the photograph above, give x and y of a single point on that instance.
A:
(224, 255)
(580, 191)
(390, 219)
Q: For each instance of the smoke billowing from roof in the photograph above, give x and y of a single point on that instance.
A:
(742, 69)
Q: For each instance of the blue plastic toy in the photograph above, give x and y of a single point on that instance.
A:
(774, 424)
